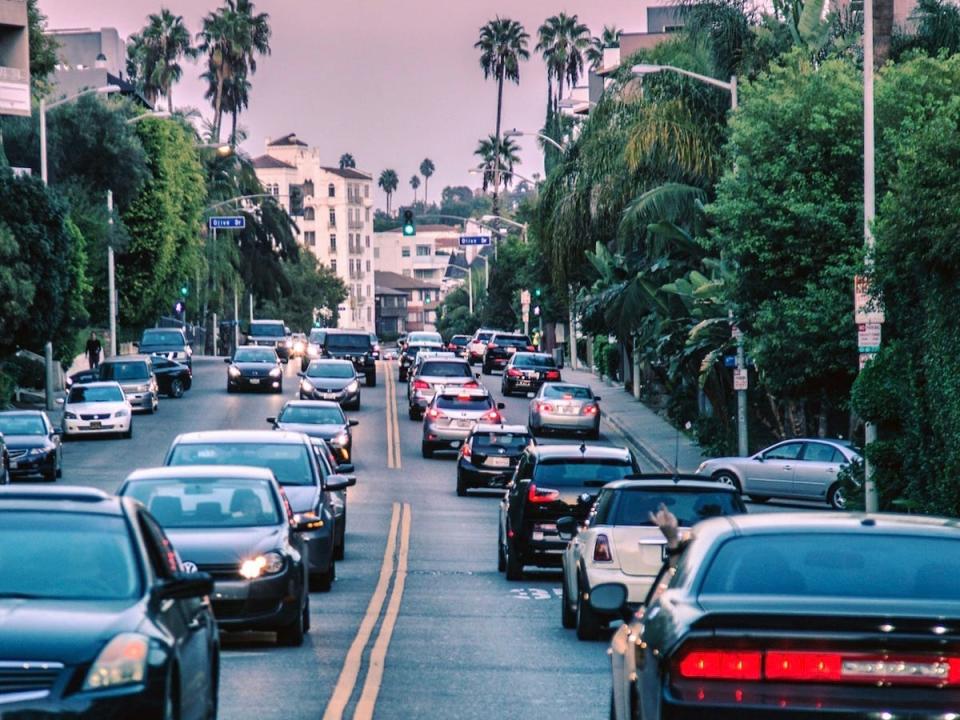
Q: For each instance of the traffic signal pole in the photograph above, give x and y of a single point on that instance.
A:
(111, 277)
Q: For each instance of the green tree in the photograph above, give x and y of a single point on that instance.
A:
(562, 41)
(454, 315)
(389, 182)
(609, 38)
(347, 161)
(311, 287)
(43, 51)
(415, 183)
(487, 150)
(427, 169)
(166, 41)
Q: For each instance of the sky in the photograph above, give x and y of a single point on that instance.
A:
(390, 81)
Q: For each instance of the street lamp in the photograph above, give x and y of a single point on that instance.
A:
(106, 89)
(481, 169)
(156, 114)
(731, 86)
(545, 138)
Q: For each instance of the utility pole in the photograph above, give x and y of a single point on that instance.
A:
(573, 328)
(236, 317)
(470, 287)
(740, 384)
(111, 276)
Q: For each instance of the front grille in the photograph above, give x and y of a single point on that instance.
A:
(14, 454)
(221, 571)
(238, 609)
(28, 677)
(102, 416)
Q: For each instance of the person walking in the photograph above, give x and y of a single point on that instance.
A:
(93, 351)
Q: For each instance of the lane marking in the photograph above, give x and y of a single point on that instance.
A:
(389, 415)
(351, 664)
(393, 426)
(371, 685)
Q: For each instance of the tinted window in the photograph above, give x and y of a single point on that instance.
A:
(525, 360)
(317, 336)
(511, 340)
(424, 337)
(359, 343)
(121, 371)
(253, 355)
(207, 503)
(858, 565)
(495, 441)
(558, 472)
(162, 337)
(331, 370)
(483, 337)
(66, 556)
(267, 330)
(567, 392)
(87, 394)
(787, 451)
(820, 452)
(463, 403)
(412, 350)
(633, 507)
(311, 415)
(22, 425)
(435, 368)
(289, 462)
(459, 340)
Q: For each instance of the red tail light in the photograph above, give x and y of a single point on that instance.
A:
(531, 348)
(491, 346)
(471, 384)
(542, 495)
(514, 373)
(466, 451)
(553, 375)
(601, 550)
(433, 414)
(722, 665)
(590, 410)
(421, 385)
(544, 407)
(493, 416)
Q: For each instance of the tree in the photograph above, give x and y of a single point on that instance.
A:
(427, 169)
(347, 161)
(509, 156)
(312, 287)
(165, 41)
(389, 182)
(562, 40)
(502, 45)
(43, 51)
(609, 38)
(141, 66)
(415, 183)
(454, 315)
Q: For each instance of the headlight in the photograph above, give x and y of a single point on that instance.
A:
(234, 371)
(287, 343)
(121, 413)
(298, 347)
(36, 452)
(266, 564)
(352, 387)
(69, 415)
(340, 439)
(122, 662)
(276, 372)
(142, 388)
(306, 386)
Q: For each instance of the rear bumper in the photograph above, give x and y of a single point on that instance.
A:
(475, 477)
(513, 384)
(141, 401)
(637, 585)
(445, 435)
(576, 423)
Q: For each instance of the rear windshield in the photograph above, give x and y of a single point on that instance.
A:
(252, 355)
(855, 565)
(267, 330)
(207, 502)
(463, 403)
(560, 472)
(289, 462)
(424, 337)
(317, 336)
(348, 342)
(121, 371)
(312, 415)
(88, 394)
(483, 336)
(459, 340)
(567, 392)
(434, 368)
(162, 337)
(495, 441)
(412, 350)
(534, 361)
(689, 505)
(331, 369)
(512, 340)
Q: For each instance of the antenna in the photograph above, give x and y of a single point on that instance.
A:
(676, 452)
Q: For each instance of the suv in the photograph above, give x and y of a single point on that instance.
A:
(478, 344)
(551, 482)
(501, 348)
(451, 415)
(136, 377)
(433, 372)
(352, 345)
(271, 333)
(171, 343)
(408, 356)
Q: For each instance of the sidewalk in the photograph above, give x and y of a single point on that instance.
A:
(650, 435)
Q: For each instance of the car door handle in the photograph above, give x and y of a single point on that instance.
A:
(788, 467)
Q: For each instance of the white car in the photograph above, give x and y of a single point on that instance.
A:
(621, 544)
(98, 408)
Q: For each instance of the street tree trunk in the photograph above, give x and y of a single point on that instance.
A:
(496, 147)
(170, 99)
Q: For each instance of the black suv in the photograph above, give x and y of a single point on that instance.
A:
(490, 455)
(170, 343)
(271, 333)
(355, 346)
(501, 348)
(551, 482)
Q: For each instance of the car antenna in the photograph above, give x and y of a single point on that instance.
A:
(676, 453)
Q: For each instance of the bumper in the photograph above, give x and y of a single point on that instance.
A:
(24, 468)
(446, 434)
(637, 585)
(496, 362)
(477, 477)
(263, 604)
(260, 383)
(340, 396)
(88, 427)
(573, 423)
(141, 401)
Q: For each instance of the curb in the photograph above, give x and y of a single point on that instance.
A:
(649, 453)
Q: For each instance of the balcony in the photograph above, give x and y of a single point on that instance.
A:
(356, 249)
(355, 224)
(357, 274)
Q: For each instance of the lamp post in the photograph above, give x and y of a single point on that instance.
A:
(545, 138)
(43, 120)
(731, 86)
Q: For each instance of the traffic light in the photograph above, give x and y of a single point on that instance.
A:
(409, 227)
(537, 292)
(184, 291)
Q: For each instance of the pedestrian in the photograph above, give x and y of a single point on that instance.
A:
(93, 351)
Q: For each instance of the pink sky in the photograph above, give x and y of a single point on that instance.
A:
(390, 81)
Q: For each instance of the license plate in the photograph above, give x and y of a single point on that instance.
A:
(566, 410)
(14, 465)
(254, 381)
(329, 396)
(523, 383)
(511, 350)
(95, 425)
(464, 423)
(498, 462)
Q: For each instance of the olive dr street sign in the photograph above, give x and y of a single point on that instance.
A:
(474, 239)
(228, 222)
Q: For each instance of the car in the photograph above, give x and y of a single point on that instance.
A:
(136, 377)
(98, 408)
(254, 368)
(314, 343)
(170, 343)
(551, 482)
(799, 469)
(375, 344)
(335, 380)
(4, 462)
(338, 498)
(82, 377)
(424, 337)
(318, 418)
(499, 349)
(565, 407)
(435, 371)
(478, 345)
(352, 345)
(409, 354)
(620, 542)
(795, 615)
(527, 371)
(234, 524)
(270, 334)
(292, 459)
(451, 415)
(173, 378)
(99, 620)
(489, 456)
(33, 448)
(458, 345)
(298, 345)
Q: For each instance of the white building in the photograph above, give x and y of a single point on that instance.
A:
(333, 208)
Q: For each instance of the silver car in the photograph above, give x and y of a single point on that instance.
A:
(136, 377)
(804, 469)
(433, 371)
(452, 414)
(334, 380)
(565, 407)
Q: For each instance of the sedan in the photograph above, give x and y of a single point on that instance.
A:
(98, 408)
(451, 415)
(315, 418)
(489, 456)
(527, 371)
(173, 378)
(809, 615)
(235, 524)
(33, 445)
(335, 380)
(501, 347)
(802, 469)
(98, 619)
(565, 408)
(254, 368)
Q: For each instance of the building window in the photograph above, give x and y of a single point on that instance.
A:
(333, 265)
(426, 296)
(308, 188)
(368, 291)
(333, 217)
(423, 250)
(423, 274)
(406, 272)
(368, 266)
(333, 242)
(310, 238)
(368, 214)
(309, 213)
(331, 190)
(366, 191)
(376, 253)
(368, 238)
(369, 314)
(405, 252)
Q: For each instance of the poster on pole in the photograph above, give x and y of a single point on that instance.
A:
(868, 337)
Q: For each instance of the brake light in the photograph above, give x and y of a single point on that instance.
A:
(531, 348)
(803, 666)
(542, 495)
(421, 385)
(433, 414)
(493, 416)
(601, 550)
(553, 375)
(471, 384)
(514, 373)
(544, 407)
(466, 451)
(722, 665)
(590, 410)
(491, 346)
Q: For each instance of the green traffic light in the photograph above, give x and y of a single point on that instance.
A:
(184, 291)
(537, 292)
(408, 230)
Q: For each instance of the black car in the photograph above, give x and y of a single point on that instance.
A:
(314, 344)
(501, 347)
(234, 524)
(489, 456)
(809, 615)
(292, 459)
(170, 343)
(551, 482)
(32, 445)
(254, 368)
(173, 378)
(527, 371)
(338, 499)
(270, 334)
(98, 620)
(409, 355)
(458, 345)
(355, 346)
(83, 377)
(318, 418)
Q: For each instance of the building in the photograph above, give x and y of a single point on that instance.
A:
(391, 313)
(90, 59)
(333, 210)
(424, 256)
(423, 298)
(14, 58)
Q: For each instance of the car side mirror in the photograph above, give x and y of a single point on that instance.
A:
(478, 375)
(61, 401)
(567, 527)
(339, 482)
(301, 375)
(228, 360)
(586, 498)
(183, 586)
(353, 423)
(610, 599)
(345, 468)
(271, 421)
(501, 406)
(56, 432)
(759, 458)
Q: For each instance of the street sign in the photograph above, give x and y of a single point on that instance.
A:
(865, 358)
(867, 309)
(474, 239)
(868, 337)
(741, 379)
(228, 222)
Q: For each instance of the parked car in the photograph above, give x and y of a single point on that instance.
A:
(318, 418)
(409, 354)
(136, 377)
(254, 368)
(451, 415)
(355, 346)
(170, 343)
(527, 371)
(551, 482)
(489, 456)
(478, 345)
(82, 377)
(270, 334)
(801, 469)
(32, 445)
(99, 621)
(795, 615)
(501, 347)
(620, 542)
(565, 407)
(98, 408)
(458, 345)
(173, 378)
(335, 380)
(234, 524)
(433, 372)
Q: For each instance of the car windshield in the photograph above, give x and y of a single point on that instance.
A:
(357, 343)
(312, 415)
(575, 472)
(511, 341)
(122, 371)
(22, 425)
(538, 360)
(567, 392)
(463, 403)
(438, 368)
(459, 340)
(267, 329)
(850, 565)
(483, 337)
(207, 502)
(331, 370)
(289, 462)
(424, 337)
(254, 355)
(88, 394)
(497, 441)
(689, 505)
(162, 337)
(317, 336)
(66, 556)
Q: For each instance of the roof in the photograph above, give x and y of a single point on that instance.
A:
(883, 523)
(381, 290)
(348, 173)
(313, 403)
(401, 282)
(175, 472)
(429, 229)
(268, 162)
(289, 139)
(126, 358)
(8, 413)
(666, 480)
(274, 437)
(575, 452)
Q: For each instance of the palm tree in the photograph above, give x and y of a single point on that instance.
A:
(426, 169)
(509, 153)
(609, 38)
(167, 40)
(347, 161)
(502, 45)
(562, 39)
(141, 68)
(389, 182)
(415, 183)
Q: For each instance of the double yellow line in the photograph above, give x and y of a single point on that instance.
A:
(392, 556)
(393, 417)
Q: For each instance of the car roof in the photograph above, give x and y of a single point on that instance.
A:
(22, 412)
(312, 403)
(157, 330)
(61, 498)
(500, 429)
(273, 437)
(665, 481)
(245, 472)
(551, 452)
(102, 383)
(254, 347)
(446, 357)
(564, 383)
(472, 392)
(881, 523)
(510, 334)
(329, 361)
(126, 358)
(345, 331)
(262, 321)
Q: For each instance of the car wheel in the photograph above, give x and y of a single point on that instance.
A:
(413, 414)
(129, 433)
(50, 475)
(230, 388)
(279, 390)
(514, 566)
(306, 615)
(461, 486)
(372, 379)
(402, 376)
(176, 388)
(837, 496)
(728, 478)
(323, 582)
(759, 499)
(534, 430)
(594, 434)
(355, 405)
(426, 450)
(291, 635)
(504, 390)
(340, 548)
(568, 617)
(151, 410)
(587, 622)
